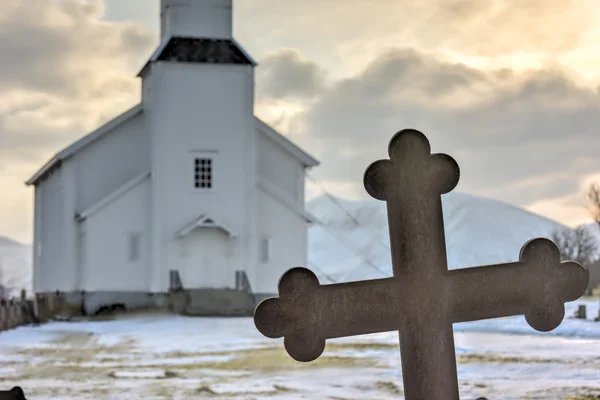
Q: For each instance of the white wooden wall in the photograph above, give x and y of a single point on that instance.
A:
(112, 161)
(281, 232)
(193, 109)
(110, 262)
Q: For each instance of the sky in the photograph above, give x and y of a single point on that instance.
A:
(509, 88)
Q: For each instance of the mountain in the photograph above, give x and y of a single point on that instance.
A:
(16, 265)
(479, 231)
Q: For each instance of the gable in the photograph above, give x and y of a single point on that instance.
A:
(82, 143)
(290, 148)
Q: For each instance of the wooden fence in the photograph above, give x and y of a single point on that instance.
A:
(18, 312)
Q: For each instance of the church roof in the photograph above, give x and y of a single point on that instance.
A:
(200, 50)
(102, 203)
(71, 150)
(84, 142)
(306, 159)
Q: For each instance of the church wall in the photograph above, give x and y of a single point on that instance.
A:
(69, 268)
(111, 161)
(277, 166)
(49, 234)
(201, 110)
(287, 233)
(115, 244)
(37, 236)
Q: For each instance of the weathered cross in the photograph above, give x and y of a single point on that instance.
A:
(423, 298)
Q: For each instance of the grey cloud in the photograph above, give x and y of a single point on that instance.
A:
(285, 74)
(45, 56)
(517, 127)
(62, 72)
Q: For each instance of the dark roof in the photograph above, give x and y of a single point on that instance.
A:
(197, 50)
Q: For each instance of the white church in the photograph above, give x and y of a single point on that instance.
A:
(188, 180)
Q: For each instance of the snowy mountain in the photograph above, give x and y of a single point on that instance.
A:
(479, 231)
(15, 265)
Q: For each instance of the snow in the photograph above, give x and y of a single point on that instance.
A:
(479, 231)
(177, 357)
(16, 268)
(166, 356)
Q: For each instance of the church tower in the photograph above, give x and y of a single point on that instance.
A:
(196, 18)
(198, 96)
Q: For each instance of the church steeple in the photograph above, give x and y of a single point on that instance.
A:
(197, 31)
(202, 19)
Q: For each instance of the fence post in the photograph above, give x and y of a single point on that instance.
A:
(3, 316)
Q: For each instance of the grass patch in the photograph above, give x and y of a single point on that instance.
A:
(273, 360)
(389, 387)
(207, 391)
(361, 346)
(490, 358)
(568, 393)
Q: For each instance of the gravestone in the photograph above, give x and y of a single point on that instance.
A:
(15, 393)
(423, 298)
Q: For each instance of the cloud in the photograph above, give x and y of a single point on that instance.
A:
(519, 136)
(285, 74)
(349, 33)
(64, 72)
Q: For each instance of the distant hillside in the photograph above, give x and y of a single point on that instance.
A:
(479, 231)
(16, 265)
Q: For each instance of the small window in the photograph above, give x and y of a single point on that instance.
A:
(134, 247)
(265, 249)
(203, 171)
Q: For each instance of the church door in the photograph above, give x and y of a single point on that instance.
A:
(206, 261)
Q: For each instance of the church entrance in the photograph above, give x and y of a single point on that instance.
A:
(206, 263)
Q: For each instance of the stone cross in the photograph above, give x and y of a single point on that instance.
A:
(423, 298)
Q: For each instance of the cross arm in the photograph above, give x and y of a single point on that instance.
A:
(307, 313)
(537, 286)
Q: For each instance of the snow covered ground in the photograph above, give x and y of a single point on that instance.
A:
(173, 357)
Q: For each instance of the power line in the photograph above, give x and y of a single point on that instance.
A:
(335, 201)
(352, 247)
(321, 271)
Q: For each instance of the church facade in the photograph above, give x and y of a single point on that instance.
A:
(188, 180)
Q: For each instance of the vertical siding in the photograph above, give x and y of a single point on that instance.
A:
(288, 244)
(69, 267)
(37, 237)
(279, 167)
(91, 175)
(200, 107)
(106, 264)
(50, 271)
(286, 228)
(207, 259)
(111, 161)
